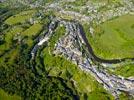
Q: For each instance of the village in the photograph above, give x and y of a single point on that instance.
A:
(70, 46)
(74, 46)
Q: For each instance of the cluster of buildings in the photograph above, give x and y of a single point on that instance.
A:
(65, 46)
(96, 13)
(69, 46)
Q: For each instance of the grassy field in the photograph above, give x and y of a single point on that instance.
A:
(9, 37)
(109, 1)
(20, 18)
(126, 70)
(115, 39)
(33, 30)
(6, 96)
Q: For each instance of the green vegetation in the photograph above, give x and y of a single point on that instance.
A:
(20, 18)
(33, 30)
(57, 66)
(18, 75)
(113, 38)
(8, 38)
(125, 96)
(108, 1)
(85, 84)
(126, 70)
(5, 96)
(60, 31)
(78, 3)
(48, 76)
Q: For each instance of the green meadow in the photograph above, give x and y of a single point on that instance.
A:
(114, 39)
(125, 70)
(20, 18)
(6, 96)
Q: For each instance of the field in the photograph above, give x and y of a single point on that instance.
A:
(6, 96)
(125, 70)
(9, 49)
(114, 39)
(20, 18)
